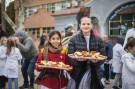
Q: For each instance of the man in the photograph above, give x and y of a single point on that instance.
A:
(109, 54)
(28, 50)
(130, 33)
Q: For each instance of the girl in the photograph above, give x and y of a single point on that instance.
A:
(2, 61)
(118, 51)
(11, 67)
(128, 71)
(53, 51)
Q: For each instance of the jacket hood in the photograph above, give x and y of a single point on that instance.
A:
(21, 33)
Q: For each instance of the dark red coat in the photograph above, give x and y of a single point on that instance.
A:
(53, 82)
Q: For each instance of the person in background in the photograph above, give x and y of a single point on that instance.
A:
(118, 52)
(2, 33)
(130, 33)
(11, 67)
(86, 73)
(53, 51)
(28, 50)
(3, 59)
(68, 35)
(42, 40)
(109, 54)
(128, 60)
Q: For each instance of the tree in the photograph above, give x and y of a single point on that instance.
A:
(11, 13)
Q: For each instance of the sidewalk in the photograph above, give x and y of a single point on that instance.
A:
(109, 86)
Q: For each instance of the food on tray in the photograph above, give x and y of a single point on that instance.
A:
(92, 54)
(55, 64)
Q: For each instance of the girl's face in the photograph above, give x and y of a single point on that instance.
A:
(4, 40)
(86, 25)
(55, 40)
(132, 50)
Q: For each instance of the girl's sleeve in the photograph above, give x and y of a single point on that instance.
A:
(19, 54)
(130, 64)
(40, 58)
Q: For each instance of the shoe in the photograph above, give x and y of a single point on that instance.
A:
(115, 87)
(24, 86)
(31, 87)
(120, 86)
(107, 81)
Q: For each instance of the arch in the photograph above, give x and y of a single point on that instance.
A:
(115, 13)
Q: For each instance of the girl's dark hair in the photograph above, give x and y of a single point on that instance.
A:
(54, 33)
(10, 44)
(120, 40)
(84, 17)
(130, 43)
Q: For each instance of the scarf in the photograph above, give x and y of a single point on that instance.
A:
(52, 49)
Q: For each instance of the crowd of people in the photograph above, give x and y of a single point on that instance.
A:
(86, 74)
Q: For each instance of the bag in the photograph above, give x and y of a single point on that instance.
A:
(71, 82)
(40, 77)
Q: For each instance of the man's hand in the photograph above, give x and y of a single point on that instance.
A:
(94, 60)
(81, 59)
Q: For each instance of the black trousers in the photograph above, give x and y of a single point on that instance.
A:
(107, 71)
(3, 80)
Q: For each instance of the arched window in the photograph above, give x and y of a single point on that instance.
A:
(121, 19)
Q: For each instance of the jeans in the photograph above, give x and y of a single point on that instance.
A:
(118, 79)
(107, 71)
(10, 83)
(3, 80)
(28, 70)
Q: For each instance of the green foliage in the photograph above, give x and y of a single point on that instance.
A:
(11, 13)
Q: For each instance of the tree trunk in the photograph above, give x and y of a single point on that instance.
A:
(3, 10)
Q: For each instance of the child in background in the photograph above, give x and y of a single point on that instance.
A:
(53, 51)
(118, 52)
(3, 62)
(128, 59)
(11, 67)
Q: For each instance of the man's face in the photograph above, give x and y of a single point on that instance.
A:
(20, 38)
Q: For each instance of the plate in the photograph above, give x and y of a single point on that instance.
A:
(41, 65)
(72, 56)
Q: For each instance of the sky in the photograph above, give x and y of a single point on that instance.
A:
(8, 1)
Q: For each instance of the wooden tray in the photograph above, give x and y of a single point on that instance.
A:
(70, 68)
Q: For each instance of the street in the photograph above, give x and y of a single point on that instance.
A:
(109, 86)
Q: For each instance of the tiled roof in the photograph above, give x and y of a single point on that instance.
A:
(66, 12)
(41, 18)
(29, 3)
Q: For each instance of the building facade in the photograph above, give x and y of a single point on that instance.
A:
(113, 16)
(38, 14)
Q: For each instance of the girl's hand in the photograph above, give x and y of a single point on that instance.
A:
(81, 59)
(94, 60)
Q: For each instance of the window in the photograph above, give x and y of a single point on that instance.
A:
(119, 20)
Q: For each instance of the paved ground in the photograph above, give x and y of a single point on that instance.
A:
(38, 87)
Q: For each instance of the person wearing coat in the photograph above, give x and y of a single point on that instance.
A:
(29, 51)
(118, 51)
(130, 33)
(3, 59)
(11, 67)
(128, 60)
(84, 69)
